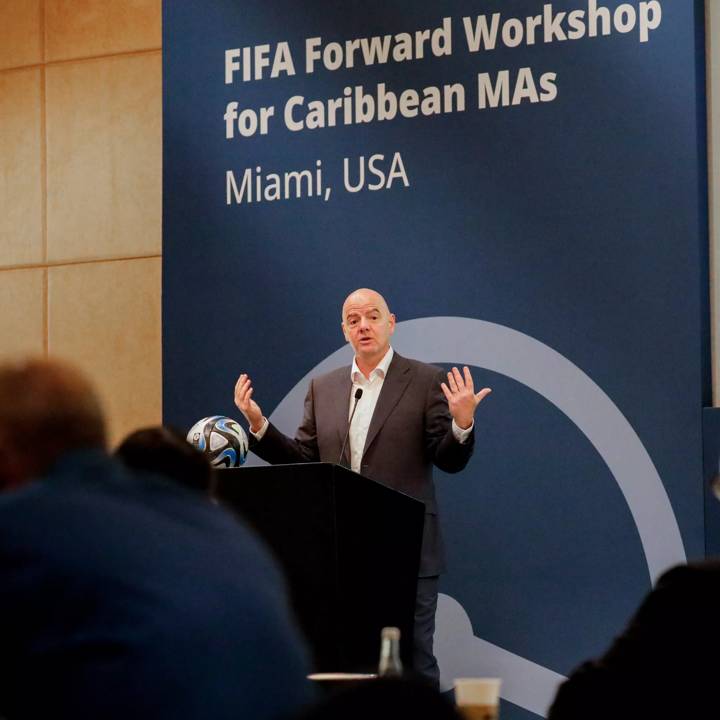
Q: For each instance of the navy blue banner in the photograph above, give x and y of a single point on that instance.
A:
(524, 182)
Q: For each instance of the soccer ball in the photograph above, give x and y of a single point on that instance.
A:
(222, 440)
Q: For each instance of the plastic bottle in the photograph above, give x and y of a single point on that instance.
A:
(390, 663)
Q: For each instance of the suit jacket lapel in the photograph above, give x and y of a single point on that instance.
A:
(341, 410)
(395, 384)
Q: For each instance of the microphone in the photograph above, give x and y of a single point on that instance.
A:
(358, 395)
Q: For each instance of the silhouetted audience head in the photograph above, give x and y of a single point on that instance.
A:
(384, 699)
(165, 451)
(47, 408)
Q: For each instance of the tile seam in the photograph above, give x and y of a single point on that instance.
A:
(70, 263)
(44, 182)
(122, 53)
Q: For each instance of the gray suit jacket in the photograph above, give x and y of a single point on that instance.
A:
(410, 431)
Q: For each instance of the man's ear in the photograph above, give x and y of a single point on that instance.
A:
(345, 335)
(391, 321)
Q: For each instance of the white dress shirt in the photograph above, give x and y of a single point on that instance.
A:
(371, 387)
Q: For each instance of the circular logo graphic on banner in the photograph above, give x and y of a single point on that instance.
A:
(467, 341)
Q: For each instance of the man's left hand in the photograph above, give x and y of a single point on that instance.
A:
(461, 396)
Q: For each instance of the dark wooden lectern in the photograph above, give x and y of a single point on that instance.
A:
(350, 549)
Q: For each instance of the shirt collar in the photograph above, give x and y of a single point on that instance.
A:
(380, 369)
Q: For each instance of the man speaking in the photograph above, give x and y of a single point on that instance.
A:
(404, 417)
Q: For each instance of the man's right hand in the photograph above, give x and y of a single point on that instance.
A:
(246, 405)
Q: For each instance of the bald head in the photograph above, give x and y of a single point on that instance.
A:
(46, 409)
(365, 296)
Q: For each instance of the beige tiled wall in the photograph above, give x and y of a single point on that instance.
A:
(21, 33)
(21, 180)
(106, 315)
(80, 193)
(103, 157)
(22, 320)
(89, 28)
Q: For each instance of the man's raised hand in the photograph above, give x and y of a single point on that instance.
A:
(461, 396)
(246, 405)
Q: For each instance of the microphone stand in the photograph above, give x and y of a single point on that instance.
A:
(358, 395)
